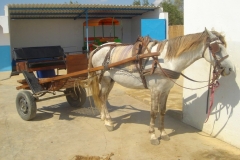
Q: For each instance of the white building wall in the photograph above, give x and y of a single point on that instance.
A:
(65, 32)
(4, 37)
(4, 23)
(223, 122)
(4, 31)
(47, 32)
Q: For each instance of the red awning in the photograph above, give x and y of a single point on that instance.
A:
(102, 21)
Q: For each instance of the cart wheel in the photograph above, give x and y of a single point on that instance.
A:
(76, 97)
(26, 105)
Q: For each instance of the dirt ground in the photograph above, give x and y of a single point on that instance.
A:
(60, 132)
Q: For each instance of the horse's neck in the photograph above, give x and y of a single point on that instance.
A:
(184, 60)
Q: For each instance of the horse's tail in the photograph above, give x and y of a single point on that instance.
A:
(94, 84)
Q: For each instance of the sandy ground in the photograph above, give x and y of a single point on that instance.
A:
(60, 132)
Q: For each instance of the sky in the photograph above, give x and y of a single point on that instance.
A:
(114, 2)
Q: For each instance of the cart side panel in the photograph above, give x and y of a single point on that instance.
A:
(77, 62)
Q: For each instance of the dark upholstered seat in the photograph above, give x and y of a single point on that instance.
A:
(39, 58)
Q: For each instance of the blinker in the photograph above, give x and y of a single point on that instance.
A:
(214, 47)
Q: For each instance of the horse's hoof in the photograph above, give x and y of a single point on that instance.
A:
(109, 128)
(165, 138)
(155, 141)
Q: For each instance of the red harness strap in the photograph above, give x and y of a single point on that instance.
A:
(212, 88)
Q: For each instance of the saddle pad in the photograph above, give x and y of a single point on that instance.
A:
(122, 52)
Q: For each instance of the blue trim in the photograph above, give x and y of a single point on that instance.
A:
(155, 28)
(79, 15)
(87, 30)
(5, 60)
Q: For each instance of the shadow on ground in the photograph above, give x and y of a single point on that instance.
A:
(125, 114)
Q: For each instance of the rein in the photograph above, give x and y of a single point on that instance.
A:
(214, 47)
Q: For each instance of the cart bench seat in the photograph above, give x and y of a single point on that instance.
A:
(39, 58)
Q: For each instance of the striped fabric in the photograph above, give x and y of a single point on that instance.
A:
(122, 52)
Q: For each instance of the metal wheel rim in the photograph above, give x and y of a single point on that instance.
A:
(74, 96)
(23, 106)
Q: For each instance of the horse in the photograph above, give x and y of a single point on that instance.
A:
(174, 56)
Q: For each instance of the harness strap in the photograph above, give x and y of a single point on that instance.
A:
(139, 65)
(215, 77)
(105, 63)
(171, 74)
(139, 62)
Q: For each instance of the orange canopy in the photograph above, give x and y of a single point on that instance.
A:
(102, 21)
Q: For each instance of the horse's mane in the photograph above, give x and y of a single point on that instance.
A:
(179, 45)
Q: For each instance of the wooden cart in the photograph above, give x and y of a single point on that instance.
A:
(42, 60)
(39, 64)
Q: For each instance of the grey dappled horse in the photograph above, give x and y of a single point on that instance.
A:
(174, 55)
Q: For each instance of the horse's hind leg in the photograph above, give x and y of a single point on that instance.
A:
(153, 113)
(106, 86)
(163, 102)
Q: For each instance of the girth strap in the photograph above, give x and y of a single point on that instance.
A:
(142, 46)
(139, 66)
(171, 74)
(106, 62)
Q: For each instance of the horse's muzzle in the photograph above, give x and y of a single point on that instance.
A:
(226, 71)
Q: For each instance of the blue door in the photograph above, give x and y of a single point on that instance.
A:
(5, 58)
(155, 28)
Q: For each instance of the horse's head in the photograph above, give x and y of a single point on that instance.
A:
(216, 53)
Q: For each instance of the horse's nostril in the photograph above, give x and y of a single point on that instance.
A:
(230, 69)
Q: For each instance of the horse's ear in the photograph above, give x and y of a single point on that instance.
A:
(209, 33)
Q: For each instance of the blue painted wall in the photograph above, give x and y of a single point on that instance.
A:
(5, 58)
(155, 28)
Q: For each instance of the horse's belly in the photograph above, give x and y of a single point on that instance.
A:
(126, 79)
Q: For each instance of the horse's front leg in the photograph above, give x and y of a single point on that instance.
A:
(163, 102)
(153, 113)
(106, 86)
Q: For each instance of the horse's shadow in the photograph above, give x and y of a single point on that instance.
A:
(138, 116)
(66, 112)
(129, 114)
(124, 114)
(226, 98)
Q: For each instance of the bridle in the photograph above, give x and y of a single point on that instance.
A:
(214, 48)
